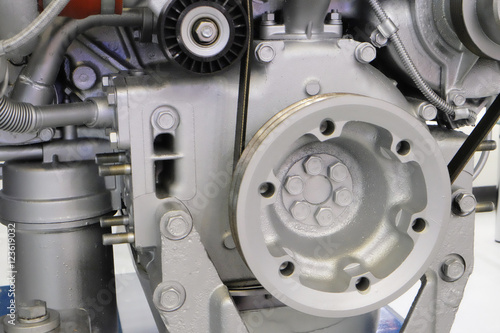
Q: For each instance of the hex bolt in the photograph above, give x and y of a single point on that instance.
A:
(178, 227)
(324, 216)
(206, 32)
(313, 88)
(365, 53)
(334, 17)
(167, 120)
(294, 185)
(264, 53)
(84, 77)
(378, 40)
(112, 97)
(169, 296)
(111, 158)
(313, 165)
(46, 134)
(338, 172)
(427, 111)
(464, 204)
(300, 210)
(343, 197)
(32, 311)
(268, 19)
(453, 268)
(457, 98)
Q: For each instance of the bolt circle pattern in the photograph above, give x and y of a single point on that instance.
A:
(355, 257)
(177, 45)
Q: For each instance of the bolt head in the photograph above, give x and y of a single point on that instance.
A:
(294, 185)
(171, 299)
(458, 99)
(453, 269)
(313, 165)
(338, 172)
(178, 227)
(84, 77)
(465, 204)
(206, 32)
(324, 216)
(365, 53)
(32, 310)
(268, 18)
(166, 120)
(343, 197)
(334, 15)
(112, 97)
(313, 88)
(427, 112)
(300, 210)
(265, 53)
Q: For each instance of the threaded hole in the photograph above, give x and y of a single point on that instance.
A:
(419, 225)
(287, 268)
(403, 148)
(362, 284)
(267, 190)
(327, 127)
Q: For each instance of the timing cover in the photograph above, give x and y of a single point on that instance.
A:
(326, 246)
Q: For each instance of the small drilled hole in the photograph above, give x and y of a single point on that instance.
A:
(267, 190)
(403, 148)
(327, 127)
(419, 225)
(363, 284)
(287, 268)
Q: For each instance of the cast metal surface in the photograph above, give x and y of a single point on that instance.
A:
(299, 184)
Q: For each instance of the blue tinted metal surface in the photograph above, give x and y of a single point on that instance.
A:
(390, 321)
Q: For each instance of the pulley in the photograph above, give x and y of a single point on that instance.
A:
(203, 36)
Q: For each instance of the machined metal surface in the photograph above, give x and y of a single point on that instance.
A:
(287, 244)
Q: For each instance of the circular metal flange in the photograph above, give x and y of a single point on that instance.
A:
(477, 24)
(184, 40)
(337, 204)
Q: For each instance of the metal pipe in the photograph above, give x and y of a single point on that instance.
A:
(35, 28)
(28, 152)
(35, 82)
(410, 67)
(24, 117)
(302, 17)
(485, 147)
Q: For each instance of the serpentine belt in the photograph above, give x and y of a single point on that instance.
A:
(244, 89)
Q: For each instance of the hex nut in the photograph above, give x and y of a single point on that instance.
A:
(365, 53)
(453, 268)
(264, 53)
(324, 216)
(464, 204)
(268, 18)
(206, 32)
(112, 98)
(378, 40)
(300, 210)
(338, 172)
(343, 197)
(313, 165)
(294, 185)
(178, 227)
(33, 309)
